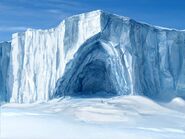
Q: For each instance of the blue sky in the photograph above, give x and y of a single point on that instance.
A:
(17, 15)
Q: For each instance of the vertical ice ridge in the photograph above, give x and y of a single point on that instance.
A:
(5, 48)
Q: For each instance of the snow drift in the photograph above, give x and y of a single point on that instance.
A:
(97, 52)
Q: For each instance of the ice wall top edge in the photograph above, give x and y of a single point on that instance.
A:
(98, 13)
(3, 42)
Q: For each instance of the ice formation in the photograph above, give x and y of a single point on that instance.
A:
(5, 48)
(97, 52)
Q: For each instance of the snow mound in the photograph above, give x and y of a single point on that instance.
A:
(177, 104)
(178, 101)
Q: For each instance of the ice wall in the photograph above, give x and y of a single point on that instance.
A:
(40, 56)
(154, 56)
(5, 48)
(97, 52)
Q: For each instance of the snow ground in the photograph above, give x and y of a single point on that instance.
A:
(126, 117)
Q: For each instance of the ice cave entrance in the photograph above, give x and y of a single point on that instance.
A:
(88, 75)
(94, 81)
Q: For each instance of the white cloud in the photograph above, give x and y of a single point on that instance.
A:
(54, 11)
(12, 28)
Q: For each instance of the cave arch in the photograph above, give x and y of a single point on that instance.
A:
(89, 74)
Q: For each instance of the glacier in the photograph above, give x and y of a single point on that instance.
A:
(5, 49)
(94, 53)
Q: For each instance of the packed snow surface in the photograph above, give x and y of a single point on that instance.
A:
(95, 52)
(130, 117)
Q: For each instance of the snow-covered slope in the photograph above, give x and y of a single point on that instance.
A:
(5, 48)
(122, 117)
(97, 52)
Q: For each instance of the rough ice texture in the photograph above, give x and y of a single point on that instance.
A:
(5, 48)
(97, 52)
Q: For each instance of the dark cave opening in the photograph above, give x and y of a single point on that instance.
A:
(94, 81)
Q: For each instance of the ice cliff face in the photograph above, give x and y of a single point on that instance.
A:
(97, 52)
(5, 48)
